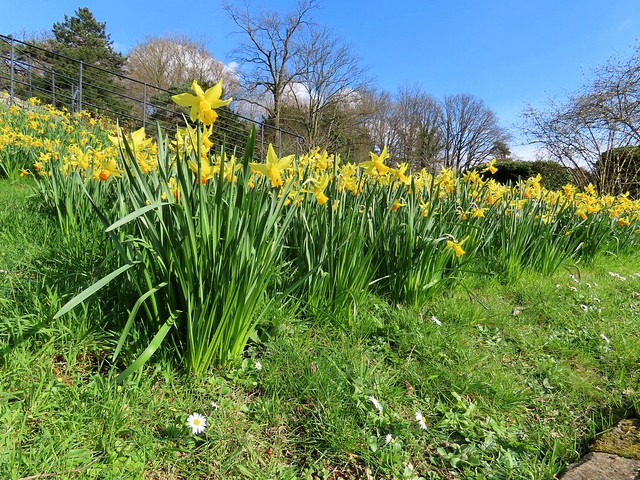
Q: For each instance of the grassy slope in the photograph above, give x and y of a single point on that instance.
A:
(511, 383)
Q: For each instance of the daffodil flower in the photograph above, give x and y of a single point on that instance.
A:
(478, 212)
(108, 167)
(187, 138)
(207, 171)
(203, 104)
(273, 167)
(318, 188)
(457, 246)
(491, 167)
(397, 204)
(138, 139)
(376, 163)
(399, 175)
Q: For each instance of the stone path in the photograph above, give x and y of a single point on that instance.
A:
(605, 462)
(603, 466)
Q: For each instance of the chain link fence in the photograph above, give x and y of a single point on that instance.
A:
(27, 70)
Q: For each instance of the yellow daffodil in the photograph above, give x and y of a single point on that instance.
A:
(207, 171)
(569, 191)
(318, 188)
(187, 138)
(491, 167)
(348, 180)
(398, 175)
(108, 167)
(320, 161)
(273, 167)
(470, 176)
(137, 140)
(478, 212)
(174, 188)
(231, 166)
(376, 163)
(397, 204)
(203, 104)
(457, 246)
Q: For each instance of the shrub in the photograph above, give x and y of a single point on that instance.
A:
(554, 175)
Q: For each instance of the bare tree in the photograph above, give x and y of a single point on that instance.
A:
(470, 131)
(575, 135)
(379, 107)
(416, 121)
(589, 131)
(329, 84)
(173, 59)
(266, 54)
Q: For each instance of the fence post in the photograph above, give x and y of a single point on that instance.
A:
(144, 105)
(53, 89)
(279, 142)
(11, 75)
(80, 88)
(30, 79)
(261, 140)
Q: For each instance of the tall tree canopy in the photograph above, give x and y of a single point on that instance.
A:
(83, 38)
(84, 48)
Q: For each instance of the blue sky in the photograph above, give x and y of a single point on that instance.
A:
(508, 53)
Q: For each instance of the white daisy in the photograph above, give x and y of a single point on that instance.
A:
(389, 438)
(617, 275)
(258, 365)
(376, 403)
(421, 420)
(197, 423)
(435, 320)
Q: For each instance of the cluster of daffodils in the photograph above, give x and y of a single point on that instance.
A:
(81, 143)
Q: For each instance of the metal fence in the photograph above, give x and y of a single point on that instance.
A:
(27, 70)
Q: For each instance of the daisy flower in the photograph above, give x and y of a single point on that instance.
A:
(376, 403)
(258, 365)
(197, 423)
(421, 420)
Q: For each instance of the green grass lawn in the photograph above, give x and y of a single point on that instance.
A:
(510, 380)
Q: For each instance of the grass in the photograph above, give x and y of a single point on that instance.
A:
(512, 379)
